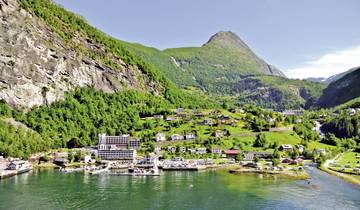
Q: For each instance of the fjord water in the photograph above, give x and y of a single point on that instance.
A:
(50, 189)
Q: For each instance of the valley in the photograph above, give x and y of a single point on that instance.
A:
(78, 104)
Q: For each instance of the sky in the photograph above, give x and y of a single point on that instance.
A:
(304, 38)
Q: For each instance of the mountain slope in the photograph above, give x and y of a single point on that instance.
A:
(225, 65)
(278, 93)
(38, 66)
(224, 57)
(47, 51)
(342, 90)
(339, 76)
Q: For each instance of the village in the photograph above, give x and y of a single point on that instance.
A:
(187, 140)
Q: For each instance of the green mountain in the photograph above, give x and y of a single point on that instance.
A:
(225, 57)
(50, 51)
(339, 76)
(225, 66)
(341, 90)
(55, 51)
(277, 93)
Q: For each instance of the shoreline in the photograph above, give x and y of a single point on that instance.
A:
(303, 175)
(346, 177)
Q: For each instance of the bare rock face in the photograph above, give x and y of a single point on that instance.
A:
(37, 67)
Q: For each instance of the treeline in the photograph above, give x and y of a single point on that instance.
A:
(20, 142)
(84, 114)
(306, 131)
(343, 126)
(17, 141)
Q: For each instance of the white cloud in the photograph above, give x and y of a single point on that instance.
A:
(328, 64)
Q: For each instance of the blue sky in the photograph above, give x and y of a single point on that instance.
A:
(304, 38)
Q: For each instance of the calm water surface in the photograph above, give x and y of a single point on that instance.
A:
(208, 190)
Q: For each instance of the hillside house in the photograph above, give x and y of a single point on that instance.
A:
(182, 115)
(192, 151)
(232, 153)
(206, 122)
(176, 137)
(352, 112)
(296, 112)
(219, 133)
(182, 149)
(223, 117)
(301, 148)
(170, 119)
(171, 149)
(201, 151)
(179, 110)
(158, 117)
(286, 147)
(216, 150)
(160, 137)
(190, 136)
(249, 156)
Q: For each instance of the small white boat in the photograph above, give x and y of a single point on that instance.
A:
(137, 172)
(96, 170)
(70, 170)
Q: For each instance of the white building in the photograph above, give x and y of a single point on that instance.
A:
(216, 150)
(182, 149)
(201, 151)
(192, 151)
(172, 149)
(286, 147)
(175, 137)
(301, 148)
(352, 112)
(88, 159)
(190, 136)
(117, 147)
(160, 137)
(171, 119)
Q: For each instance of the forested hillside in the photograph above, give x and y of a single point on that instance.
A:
(342, 90)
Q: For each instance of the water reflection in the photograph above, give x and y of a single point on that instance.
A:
(176, 190)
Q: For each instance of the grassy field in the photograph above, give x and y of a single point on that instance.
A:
(343, 167)
(239, 135)
(350, 159)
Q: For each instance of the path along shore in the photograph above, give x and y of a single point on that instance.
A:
(344, 176)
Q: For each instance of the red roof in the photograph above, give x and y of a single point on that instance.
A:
(232, 152)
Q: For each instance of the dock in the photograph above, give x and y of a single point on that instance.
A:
(9, 173)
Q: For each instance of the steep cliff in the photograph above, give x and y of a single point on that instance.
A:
(38, 66)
